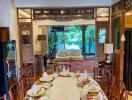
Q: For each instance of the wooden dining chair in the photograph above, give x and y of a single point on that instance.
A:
(3, 97)
(127, 94)
(24, 85)
(14, 92)
(61, 66)
(66, 66)
(116, 90)
(110, 85)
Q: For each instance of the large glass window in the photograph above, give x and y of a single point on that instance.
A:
(65, 37)
(70, 37)
(90, 44)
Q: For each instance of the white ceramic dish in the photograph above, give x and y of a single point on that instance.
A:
(33, 93)
(64, 74)
(49, 79)
(44, 98)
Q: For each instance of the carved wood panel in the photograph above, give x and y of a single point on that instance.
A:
(118, 7)
(26, 44)
(128, 4)
(63, 13)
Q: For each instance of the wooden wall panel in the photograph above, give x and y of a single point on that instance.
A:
(26, 42)
(119, 52)
(100, 46)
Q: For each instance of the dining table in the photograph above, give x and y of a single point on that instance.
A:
(67, 88)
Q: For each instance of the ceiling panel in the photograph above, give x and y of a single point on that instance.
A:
(61, 3)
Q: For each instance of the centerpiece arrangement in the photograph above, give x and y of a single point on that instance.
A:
(51, 58)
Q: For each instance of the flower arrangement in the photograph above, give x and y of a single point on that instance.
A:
(51, 57)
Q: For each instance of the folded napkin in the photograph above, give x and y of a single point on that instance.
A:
(35, 89)
(85, 75)
(65, 72)
(100, 96)
(64, 69)
(45, 76)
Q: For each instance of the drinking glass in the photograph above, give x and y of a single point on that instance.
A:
(77, 74)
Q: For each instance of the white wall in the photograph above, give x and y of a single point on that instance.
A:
(39, 30)
(61, 3)
(5, 13)
(8, 18)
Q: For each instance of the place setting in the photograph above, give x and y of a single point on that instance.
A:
(35, 92)
(65, 72)
(39, 89)
(46, 78)
(82, 78)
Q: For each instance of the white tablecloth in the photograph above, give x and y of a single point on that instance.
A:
(64, 88)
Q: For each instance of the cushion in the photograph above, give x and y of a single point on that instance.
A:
(76, 52)
(63, 53)
(71, 54)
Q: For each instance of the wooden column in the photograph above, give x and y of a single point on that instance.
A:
(122, 31)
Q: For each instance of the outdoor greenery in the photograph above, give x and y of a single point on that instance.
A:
(71, 38)
(90, 39)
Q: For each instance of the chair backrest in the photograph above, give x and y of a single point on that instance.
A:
(14, 92)
(116, 89)
(110, 85)
(61, 66)
(3, 97)
(25, 83)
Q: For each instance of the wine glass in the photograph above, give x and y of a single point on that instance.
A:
(77, 74)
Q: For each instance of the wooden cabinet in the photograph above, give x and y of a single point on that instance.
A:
(26, 42)
(104, 71)
(4, 34)
(108, 68)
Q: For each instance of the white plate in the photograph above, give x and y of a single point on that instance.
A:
(44, 98)
(32, 93)
(47, 85)
(64, 74)
(49, 79)
(94, 90)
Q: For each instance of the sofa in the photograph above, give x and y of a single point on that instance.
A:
(74, 54)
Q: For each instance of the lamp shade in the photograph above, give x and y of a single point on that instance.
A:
(41, 37)
(108, 48)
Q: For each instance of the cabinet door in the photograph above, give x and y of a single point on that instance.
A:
(26, 45)
(4, 34)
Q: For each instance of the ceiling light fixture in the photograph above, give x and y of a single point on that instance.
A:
(128, 14)
(62, 12)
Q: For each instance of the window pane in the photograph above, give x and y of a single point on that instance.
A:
(90, 45)
(117, 33)
(24, 13)
(73, 37)
(102, 35)
(102, 12)
(65, 37)
(60, 44)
